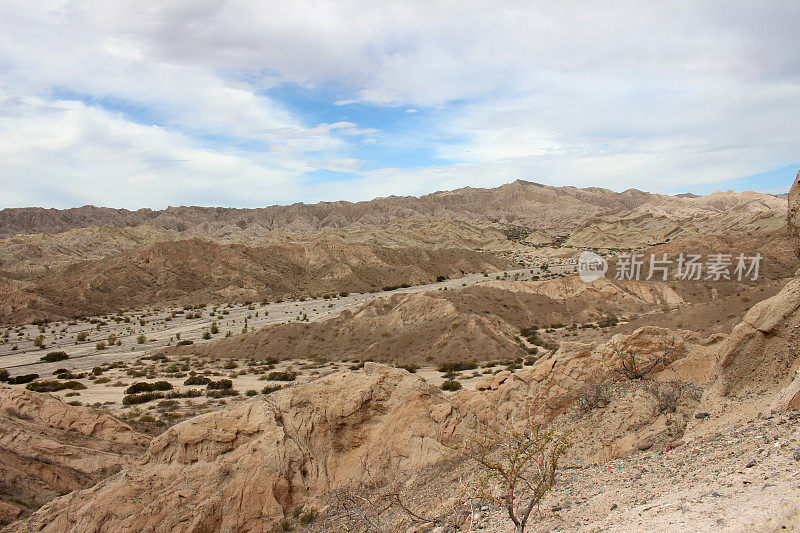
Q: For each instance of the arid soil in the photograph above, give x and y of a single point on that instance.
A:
(678, 401)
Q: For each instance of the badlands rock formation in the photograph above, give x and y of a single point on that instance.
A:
(60, 263)
(246, 467)
(794, 215)
(193, 271)
(477, 323)
(48, 448)
(759, 362)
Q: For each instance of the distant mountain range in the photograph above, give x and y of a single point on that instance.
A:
(73, 261)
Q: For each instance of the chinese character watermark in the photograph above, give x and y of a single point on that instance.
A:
(684, 267)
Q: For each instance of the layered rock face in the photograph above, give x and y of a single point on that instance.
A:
(473, 324)
(794, 215)
(759, 362)
(48, 448)
(244, 468)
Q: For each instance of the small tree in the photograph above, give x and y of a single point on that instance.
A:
(517, 466)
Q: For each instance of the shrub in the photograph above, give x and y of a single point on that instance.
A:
(451, 385)
(184, 343)
(308, 516)
(220, 385)
(608, 321)
(188, 393)
(221, 393)
(54, 357)
(456, 367)
(214, 328)
(251, 392)
(21, 380)
(197, 380)
(269, 389)
(516, 467)
(100, 345)
(3, 375)
(143, 386)
(281, 376)
(135, 399)
(206, 335)
(82, 336)
(53, 386)
(594, 395)
(39, 342)
(411, 367)
(141, 339)
(230, 365)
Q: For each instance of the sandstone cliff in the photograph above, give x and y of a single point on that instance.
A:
(48, 448)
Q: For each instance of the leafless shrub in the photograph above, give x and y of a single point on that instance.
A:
(373, 508)
(634, 366)
(669, 394)
(594, 395)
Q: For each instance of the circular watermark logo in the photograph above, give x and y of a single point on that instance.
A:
(591, 266)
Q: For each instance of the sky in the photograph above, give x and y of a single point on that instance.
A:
(253, 103)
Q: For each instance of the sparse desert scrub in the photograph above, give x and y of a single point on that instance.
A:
(54, 357)
(54, 386)
(282, 376)
(451, 385)
(144, 397)
(143, 386)
(633, 366)
(593, 396)
(456, 367)
(222, 384)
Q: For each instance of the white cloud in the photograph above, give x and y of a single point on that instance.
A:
(652, 95)
(86, 155)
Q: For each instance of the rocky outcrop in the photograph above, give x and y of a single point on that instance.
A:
(475, 323)
(793, 217)
(554, 385)
(758, 365)
(245, 467)
(48, 448)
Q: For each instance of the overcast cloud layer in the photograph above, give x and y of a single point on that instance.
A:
(145, 104)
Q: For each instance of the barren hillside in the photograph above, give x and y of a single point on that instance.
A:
(193, 271)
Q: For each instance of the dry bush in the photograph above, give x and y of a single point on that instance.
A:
(633, 366)
(594, 395)
(668, 394)
(373, 509)
(516, 466)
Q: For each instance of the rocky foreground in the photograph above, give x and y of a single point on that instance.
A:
(707, 437)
